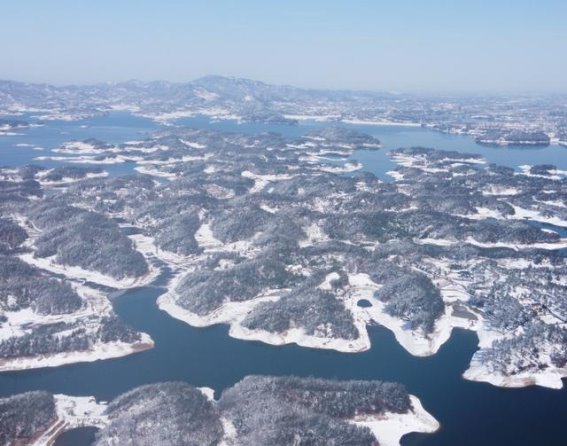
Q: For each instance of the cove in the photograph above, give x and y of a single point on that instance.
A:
(470, 413)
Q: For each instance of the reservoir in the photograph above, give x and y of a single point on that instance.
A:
(470, 413)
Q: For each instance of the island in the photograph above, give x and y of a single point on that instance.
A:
(10, 127)
(514, 138)
(257, 410)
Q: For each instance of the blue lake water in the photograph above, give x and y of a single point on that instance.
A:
(118, 127)
(470, 413)
(114, 128)
(80, 436)
(393, 137)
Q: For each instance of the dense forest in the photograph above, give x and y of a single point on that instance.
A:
(24, 416)
(87, 239)
(262, 410)
(250, 216)
(164, 414)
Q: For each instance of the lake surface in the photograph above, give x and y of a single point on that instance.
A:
(470, 413)
(114, 128)
(77, 437)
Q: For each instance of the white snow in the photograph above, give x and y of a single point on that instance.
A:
(205, 237)
(551, 378)
(68, 180)
(397, 176)
(155, 172)
(521, 213)
(95, 306)
(80, 274)
(192, 144)
(73, 412)
(562, 243)
(260, 181)
(554, 174)
(230, 434)
(389, 428)
(500, 190)
(208, 392)
(314, 235)
(98, 352)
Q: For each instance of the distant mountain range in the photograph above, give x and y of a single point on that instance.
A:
(208, 88)
(254, 101)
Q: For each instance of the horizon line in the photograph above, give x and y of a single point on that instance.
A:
(392, 92)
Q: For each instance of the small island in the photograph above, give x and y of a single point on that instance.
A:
(10, 127)
(514, 138)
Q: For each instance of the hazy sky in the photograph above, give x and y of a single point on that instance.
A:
(417, 46)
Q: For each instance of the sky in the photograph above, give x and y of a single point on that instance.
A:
(418, 46)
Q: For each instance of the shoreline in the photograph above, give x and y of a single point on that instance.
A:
(414, 342)
(387, 427)
(96, 305)
(84, 411)
(73, 412)
(76, 273)
(233, 313)
(353, 121)
(102, 351)
(390, 427)
(551, 379)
